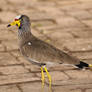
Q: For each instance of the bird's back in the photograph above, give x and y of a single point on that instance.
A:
(43, 52)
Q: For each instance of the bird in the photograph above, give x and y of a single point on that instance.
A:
(39, 52)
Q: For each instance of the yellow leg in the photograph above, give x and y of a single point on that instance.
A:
(43, 78)
(49, 77)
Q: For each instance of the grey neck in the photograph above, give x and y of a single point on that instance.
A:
(24, 33)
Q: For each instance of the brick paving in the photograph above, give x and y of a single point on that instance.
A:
(66, 24)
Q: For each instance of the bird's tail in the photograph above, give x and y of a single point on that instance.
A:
(83, 65)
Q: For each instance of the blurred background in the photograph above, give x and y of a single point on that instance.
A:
(66, 24)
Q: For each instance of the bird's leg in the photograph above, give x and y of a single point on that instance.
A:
(49, 77)
(90, 65)
(42, 77)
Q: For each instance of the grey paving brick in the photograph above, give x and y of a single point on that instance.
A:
(9, 88)
(34, 87)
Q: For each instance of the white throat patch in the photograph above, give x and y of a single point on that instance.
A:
(17, 17)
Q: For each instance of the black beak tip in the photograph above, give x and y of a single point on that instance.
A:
(8, 25)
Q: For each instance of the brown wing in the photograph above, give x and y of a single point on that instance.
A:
(44, 52)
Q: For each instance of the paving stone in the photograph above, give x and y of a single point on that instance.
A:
(37, 33)
(75, 74)
(65, 2)
(76, 78)
(15, 1)
(8, 8)
(79, 86)
(76, 7)
(89, 90)
(7, 59)
(33, 68)
(58, 76)
(90, 11)
(28, 65)
(16, 53)
(42, 6)
(72, 82)
(73, 88)
(80, 14)
(73, 7)
(27, 10)
(78, 44)
(11, 45)
(34, 87)
(3, 2)
(88, 60)
(83, 55)
(20, 2)
(6, 17)
(59, 89)
(39, 15)
(13, 69)
(48, 28)
(43, 23)
(45, 3)
(59, 34)
(80, 32)
(18, 78)
(9, 88)
(8, 34)
(85, 1)
(2, 48)
(74, 32)
(88, 22)
(3, 27)
(85, 6)
(68, 22)
(23, 60)
(54, 11)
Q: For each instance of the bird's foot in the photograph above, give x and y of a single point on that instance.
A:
(43, 78)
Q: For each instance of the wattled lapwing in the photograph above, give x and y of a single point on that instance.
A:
(39, 52)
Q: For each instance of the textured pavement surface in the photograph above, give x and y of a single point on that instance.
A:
(66, 24)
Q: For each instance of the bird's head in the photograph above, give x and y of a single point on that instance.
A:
(20, 21)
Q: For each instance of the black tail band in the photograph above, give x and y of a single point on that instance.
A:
(82, 65)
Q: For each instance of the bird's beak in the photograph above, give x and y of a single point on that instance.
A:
(16, 22)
